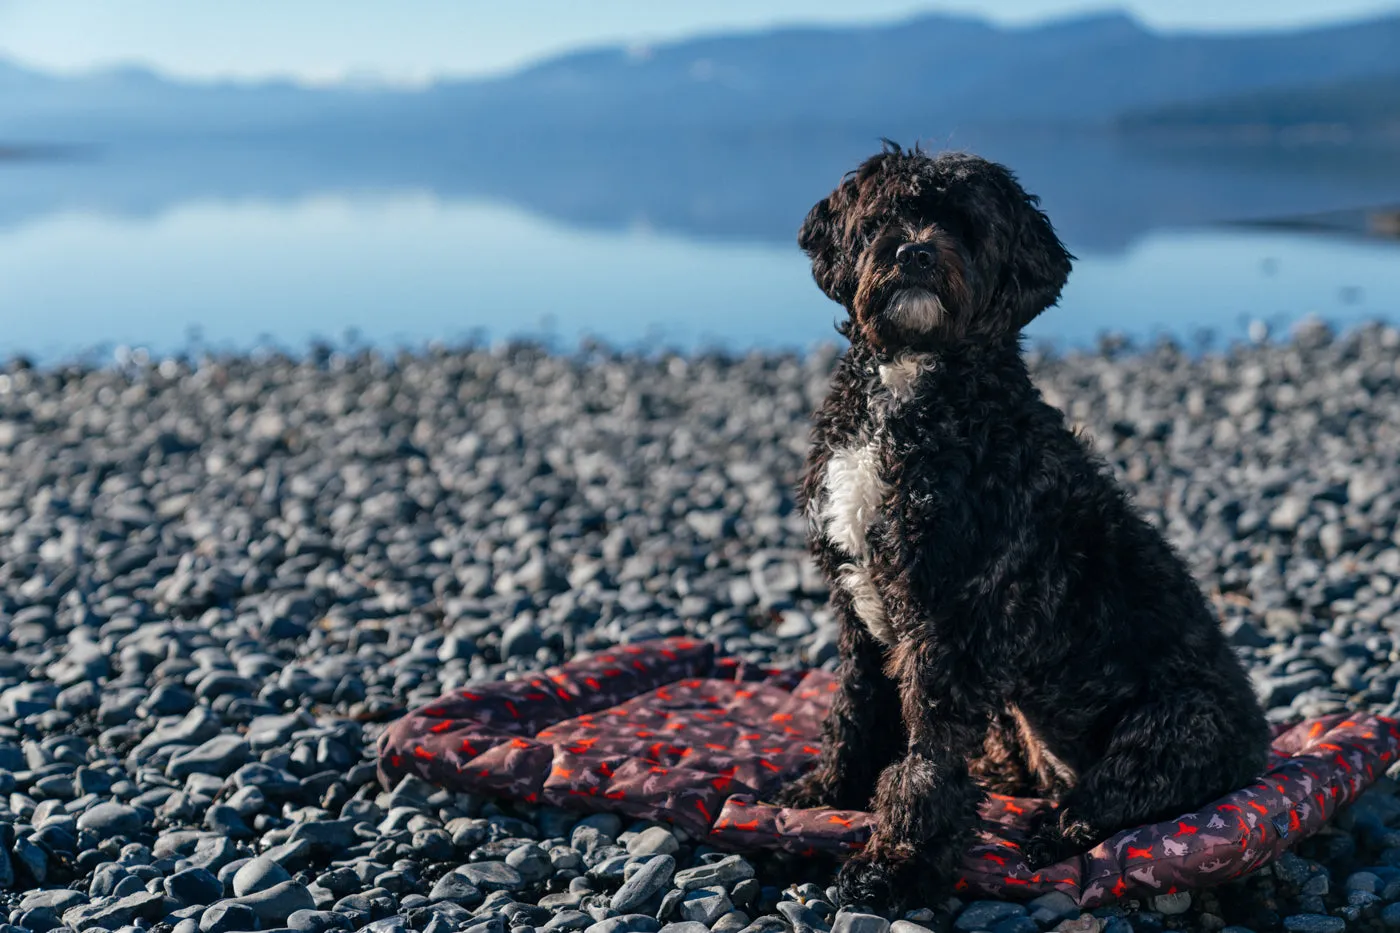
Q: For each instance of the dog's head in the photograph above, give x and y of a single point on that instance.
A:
(922, 250)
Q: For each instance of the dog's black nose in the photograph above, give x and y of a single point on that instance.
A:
(915, 256)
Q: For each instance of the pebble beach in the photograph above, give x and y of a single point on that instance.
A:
(220, 578)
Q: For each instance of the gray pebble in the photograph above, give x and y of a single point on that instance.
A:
(220, 756)
(121, 912)
(258, 874)
(1172, 904)
(492, 876)
(726, 871)
(228, 917)
(802, 917)
(652, 877)
(568, 920)
(655, 840)
(275, 904)
(705, 905)
(193, 886)
(627, 923)
(907, 926)
(1314, 923)
(1051, 908)
(732, 922)
(852, 922)
(455, 887)
(109, 820)
(983, 915)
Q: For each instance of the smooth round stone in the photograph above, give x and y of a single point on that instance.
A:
(983, 915)
(801, 917)
(455, 887)
(531, 862)
(652, 877)
(228, 917)
(706, 905)
(909, 926)
(521, 639)
(274, 905)
(848, 921)
(109, 820)
(492, 876)
(315, 921)
(655, 840)
(1314, 923)
(627, 923)
(1172, 904)
(732, 922)
(258, 874)
(193, 886)
(39, 920)
(219, 756)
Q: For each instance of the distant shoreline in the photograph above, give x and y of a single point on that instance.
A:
(1381, 223)
(34, 152)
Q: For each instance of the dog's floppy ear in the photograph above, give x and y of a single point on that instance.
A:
(1037, 266)
(818, 239)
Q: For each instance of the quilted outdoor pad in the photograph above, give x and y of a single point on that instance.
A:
(667, 731)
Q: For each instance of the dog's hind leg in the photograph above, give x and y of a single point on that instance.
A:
(1003, 768)
(1163, 759)
(927, 802)
(861, 734)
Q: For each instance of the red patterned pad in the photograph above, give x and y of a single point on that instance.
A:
(666, 731)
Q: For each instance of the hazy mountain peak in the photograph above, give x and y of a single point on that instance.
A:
(923, 77)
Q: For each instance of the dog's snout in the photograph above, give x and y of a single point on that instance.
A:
(915, 256)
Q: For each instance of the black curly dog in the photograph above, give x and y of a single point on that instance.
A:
(1008, 621)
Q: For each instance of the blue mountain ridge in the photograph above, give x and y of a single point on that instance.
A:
(928, 75)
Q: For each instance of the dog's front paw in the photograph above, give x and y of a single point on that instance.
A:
(882, 884)
(868, 883)
(1056, 838)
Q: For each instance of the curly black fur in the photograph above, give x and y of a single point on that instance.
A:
(994, 585)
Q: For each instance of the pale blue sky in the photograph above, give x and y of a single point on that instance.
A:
(412, 40)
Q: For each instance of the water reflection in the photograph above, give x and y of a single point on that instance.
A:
(409, 266)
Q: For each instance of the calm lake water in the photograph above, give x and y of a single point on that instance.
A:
(404, 264)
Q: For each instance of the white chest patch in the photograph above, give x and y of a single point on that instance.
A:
(853, 493)
(851, 500)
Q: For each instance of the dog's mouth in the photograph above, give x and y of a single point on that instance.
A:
(917, 309)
